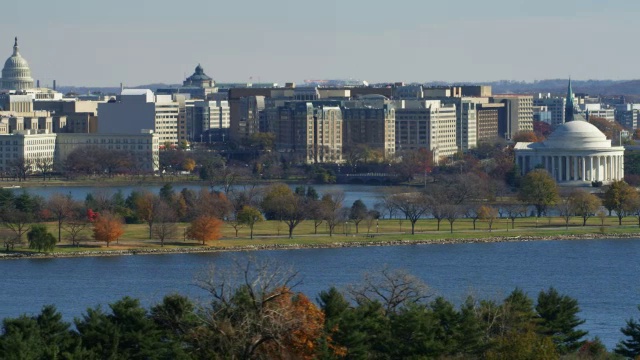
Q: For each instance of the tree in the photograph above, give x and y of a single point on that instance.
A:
(525, 136)
(40, 239)
(620, 197)
(358, 212)
(630, 347)
(412, 205)
(144, 206)
(107, 227)
(558, 319)
(75, 225)
(565, 209)
(391, 288)
(164, 226)
(205, 228)
(248, 313)
(280, 203)
(188, 164)
(488, 214)
(18, 221)
(538, 189)
(514, 211)
(452, 212)
(250, 216)
(584, 204)
(61, 207)
(331, 208)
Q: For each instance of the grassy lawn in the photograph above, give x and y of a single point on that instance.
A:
(267, 233)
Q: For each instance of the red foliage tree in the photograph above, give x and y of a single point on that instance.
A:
(107, 227)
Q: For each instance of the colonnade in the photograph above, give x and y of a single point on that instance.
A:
(576, 167)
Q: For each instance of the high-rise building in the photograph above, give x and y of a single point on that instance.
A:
(207, 121)
(489, 117)
(519, 110)
(429, 125)
(627, 115)
(307, 132)
(555, 105)
(373, 127)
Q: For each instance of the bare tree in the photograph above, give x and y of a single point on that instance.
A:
(331, 204)
(412, 205)
(75, 227)
(61, 206)
(45, 166)
(514, 211)
(164, 226)
(243, 315)
(565, 209)
(18, 221)
(451, 212)
(392, 288)
(21, 168)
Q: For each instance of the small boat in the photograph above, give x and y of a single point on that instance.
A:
(11, 187)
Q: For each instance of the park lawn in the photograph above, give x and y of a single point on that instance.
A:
(136, 236)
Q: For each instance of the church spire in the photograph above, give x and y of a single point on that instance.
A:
(569, 107)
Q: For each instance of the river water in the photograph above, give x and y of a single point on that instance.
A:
(367, 193)
(603, 275)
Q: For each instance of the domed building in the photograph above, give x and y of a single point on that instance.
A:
(16, 74)
(576, 153)
(199, 79)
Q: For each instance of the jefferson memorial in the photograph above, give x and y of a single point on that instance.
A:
(575, 154)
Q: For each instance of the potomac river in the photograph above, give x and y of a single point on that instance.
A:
(603, 275)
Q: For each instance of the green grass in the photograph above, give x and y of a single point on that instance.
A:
(268, 233)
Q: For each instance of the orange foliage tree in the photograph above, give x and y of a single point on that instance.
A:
(107, 227)
(205, 228)
(525, 136)
(301, 323)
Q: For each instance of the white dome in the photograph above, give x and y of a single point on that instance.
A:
(16, 74)
(577, 135)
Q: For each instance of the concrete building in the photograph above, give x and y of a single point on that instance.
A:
(81, 115)
(371, 126)
(207, 121)
(429, 125)
(144, 147)
(607, 114)
(139, 109)
(554, 104)
(489, 116)
(307, 132)
(542, 113)
(519, 110)
(476, 90)
(16, 74)
(627, 115)
(16, 103)
(32, 148)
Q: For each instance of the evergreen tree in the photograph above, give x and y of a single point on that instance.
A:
(40, 239)
(558, 319)
(631, 346)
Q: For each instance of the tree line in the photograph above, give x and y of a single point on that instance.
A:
(254, 312)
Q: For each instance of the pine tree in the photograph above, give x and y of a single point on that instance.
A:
(558, 319)
(631, 346)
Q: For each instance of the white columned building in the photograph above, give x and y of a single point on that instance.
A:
(576, 153)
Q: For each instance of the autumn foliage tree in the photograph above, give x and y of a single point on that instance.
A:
(205, 228)
(107, 227)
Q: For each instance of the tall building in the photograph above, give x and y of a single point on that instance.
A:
(489, 117)
(139, 109)
(627, 115)
(16, 74)
(519, 109)
(555, 105)
(429, 125)
(374, 127)
(307, 132)
(207, 121)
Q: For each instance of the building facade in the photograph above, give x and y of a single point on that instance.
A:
(431, 126)
(374, 127)
(519, 111)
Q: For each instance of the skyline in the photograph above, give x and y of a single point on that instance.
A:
(89, 44)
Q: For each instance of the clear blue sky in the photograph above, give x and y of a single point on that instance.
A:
(103, 43)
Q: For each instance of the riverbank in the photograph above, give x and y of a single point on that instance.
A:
(296, 246)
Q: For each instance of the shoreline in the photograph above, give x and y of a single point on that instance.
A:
(336, 245)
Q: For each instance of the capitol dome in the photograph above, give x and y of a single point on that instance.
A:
(16, 74)
(576, 135)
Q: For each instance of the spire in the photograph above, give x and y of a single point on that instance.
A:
(569, 107)
(15, 44)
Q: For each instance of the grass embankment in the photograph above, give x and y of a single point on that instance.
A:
(274, 234)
